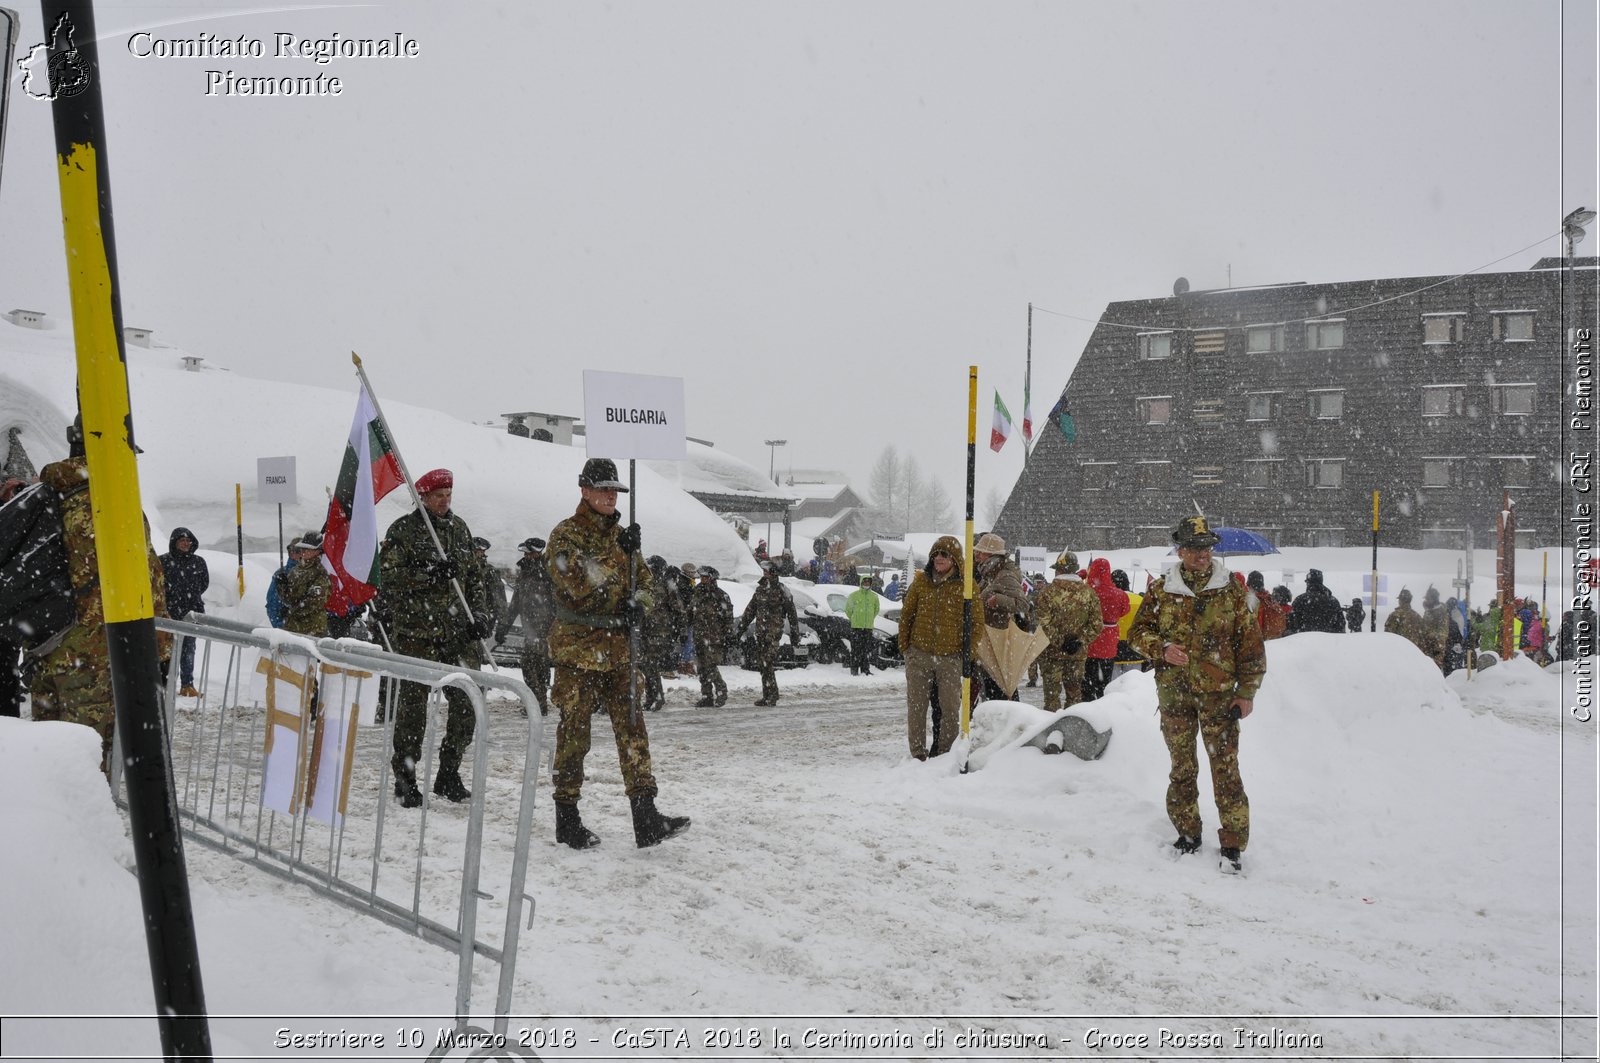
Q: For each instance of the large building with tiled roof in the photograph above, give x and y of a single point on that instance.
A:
(1281, 409)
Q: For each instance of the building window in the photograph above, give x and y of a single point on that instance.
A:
(1444, 538)
(1442, 472)
(1262, 405)
(1154, 475)
(1444, 328)
(1516, 471)
(1211, 344)
(1326, 405)
(1324, 536)
(1324, 335)
(1444, 400)
(1325, 473)
(1209, 411)
(1263, 339)
(1155, 345)
(1154, 409)
(1153, 535)
(543, 435)
(1096, 537)
(1207, 476)
(1261, 472)
(1097, 474)
(1513, 326)
(1512, 400)
(1527, 538)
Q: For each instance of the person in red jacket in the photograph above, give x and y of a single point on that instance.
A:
(1103, 650)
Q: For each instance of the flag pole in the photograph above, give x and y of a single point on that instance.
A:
(634, 666)
(1373, 624)
(238, 525)
(966, 567)
(405, 474)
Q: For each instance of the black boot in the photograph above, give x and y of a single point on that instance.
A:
(448, 785)
(651, 827)
(704, 702)
(721, 699)
(405, 788)
(570, 830)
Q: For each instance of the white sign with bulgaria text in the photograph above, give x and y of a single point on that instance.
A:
(275, 481)
(628, 415)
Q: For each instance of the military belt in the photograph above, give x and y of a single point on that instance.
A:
(567, 615)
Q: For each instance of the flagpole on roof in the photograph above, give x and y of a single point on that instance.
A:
(405, 474)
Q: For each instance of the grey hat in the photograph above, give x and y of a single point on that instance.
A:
(308, 541)
(707, 572)
(480, 543)
(531, 544)
(601, 473)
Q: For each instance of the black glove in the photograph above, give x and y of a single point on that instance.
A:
(443, 569)
(482, 624)
(630, 539)
(1071, 645)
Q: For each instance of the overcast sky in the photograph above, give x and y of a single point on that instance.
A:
(817, 214)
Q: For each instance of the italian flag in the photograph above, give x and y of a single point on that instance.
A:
(1001, 431)
(350, 539)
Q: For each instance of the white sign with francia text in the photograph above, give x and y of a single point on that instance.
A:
(629, 415)
(275, 481)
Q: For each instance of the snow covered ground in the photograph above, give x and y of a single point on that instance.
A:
(1420, 883)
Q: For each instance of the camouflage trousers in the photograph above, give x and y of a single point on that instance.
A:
(536, 673)
(78, 695)
(707, 665)
(924, 672)
(767, 663)
(1205, 716)
(1062, 676)
(577, 693)
(411, 716)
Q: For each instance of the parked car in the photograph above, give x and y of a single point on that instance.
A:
(508, 654)
(886, 629)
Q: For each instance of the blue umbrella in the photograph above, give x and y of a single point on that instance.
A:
(1240, 541)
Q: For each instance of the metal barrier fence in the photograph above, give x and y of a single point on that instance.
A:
(220, 760)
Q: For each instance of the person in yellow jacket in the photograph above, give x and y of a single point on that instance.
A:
(930, 644)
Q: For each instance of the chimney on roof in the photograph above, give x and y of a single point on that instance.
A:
(191, 363)
(139, 337)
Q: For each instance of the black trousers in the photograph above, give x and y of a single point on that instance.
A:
(10, 679)
(861, 650)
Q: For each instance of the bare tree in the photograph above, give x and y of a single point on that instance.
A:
(901, 500)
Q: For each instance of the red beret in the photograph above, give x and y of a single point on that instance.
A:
(432, 481)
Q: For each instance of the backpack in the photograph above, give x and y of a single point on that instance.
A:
(37, 603)
(1274, 618)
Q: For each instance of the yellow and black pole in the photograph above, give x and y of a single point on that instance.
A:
(966, 569)
(119, 530)
(1373, 612)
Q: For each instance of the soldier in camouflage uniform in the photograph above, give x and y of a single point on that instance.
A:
(769, 608)
(494, 585)
(531, 604)
(1069, 612)
(1403, 620)
(1196, 625)
(71, 681)
(1434, 628)
(304, 589)
(664, 625)
(589, 562)
(427, 620)
(711, 617)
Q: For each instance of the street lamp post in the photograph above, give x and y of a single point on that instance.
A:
(772, 472)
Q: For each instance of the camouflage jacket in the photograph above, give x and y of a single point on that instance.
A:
(589, 592)
(531, 604)
(1216, 627)
(85, 642)
(769, 607)
(711, 613)
(304, 592)
(1068, 608)
(494, 594)
(420, 602)
(1433, 631)
(1000, 578)
(665, 622)
(1405, 622)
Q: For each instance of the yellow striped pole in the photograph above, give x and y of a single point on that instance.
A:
(120, 542)
(238, 524)
(966, 567)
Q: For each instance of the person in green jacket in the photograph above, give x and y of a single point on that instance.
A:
(1195, 624)
(862, 609)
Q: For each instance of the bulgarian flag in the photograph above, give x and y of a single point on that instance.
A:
(1001, 431)
(350, 539)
